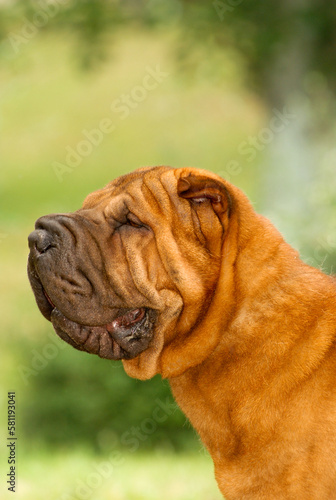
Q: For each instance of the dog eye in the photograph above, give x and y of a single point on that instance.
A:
(200, 200)
(132, 220)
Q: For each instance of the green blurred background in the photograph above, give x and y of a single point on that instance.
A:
(247, 91)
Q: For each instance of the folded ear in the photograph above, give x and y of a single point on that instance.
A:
(200, 189)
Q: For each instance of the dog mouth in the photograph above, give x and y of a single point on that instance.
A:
(123, 338)
(129, 332)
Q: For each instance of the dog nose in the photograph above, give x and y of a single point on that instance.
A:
(40, 240)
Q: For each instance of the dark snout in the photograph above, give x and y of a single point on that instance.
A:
(67, 273)
(45, 235)
(66, 267)
(44, 245)
(40, 241)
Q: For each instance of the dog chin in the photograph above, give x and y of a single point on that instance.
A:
(124, 338)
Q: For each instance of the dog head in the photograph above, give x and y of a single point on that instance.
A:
(133, 274)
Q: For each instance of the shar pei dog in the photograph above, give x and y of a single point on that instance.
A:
(173, 272)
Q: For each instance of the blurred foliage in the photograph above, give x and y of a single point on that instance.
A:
(77, 397)
(86, 20)
(261, 32)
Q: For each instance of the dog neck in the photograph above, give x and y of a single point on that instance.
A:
(273, 340)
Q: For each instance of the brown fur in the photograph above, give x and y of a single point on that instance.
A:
(245, 330)
(264, 400)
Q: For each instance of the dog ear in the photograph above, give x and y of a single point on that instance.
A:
(201, 189)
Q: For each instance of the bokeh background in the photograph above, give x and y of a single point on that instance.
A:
(92, 89)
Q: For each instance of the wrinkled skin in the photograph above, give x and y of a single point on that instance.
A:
(174, 272)
(116, 280)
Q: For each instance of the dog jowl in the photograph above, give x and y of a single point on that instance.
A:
(173, 272)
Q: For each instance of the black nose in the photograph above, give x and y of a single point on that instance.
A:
(40, 240)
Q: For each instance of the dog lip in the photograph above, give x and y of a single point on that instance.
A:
(46, 304)
(43, 301)
(127, 334)
(126, 320)
(124, 338)
(92, 339)
(48, 298)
